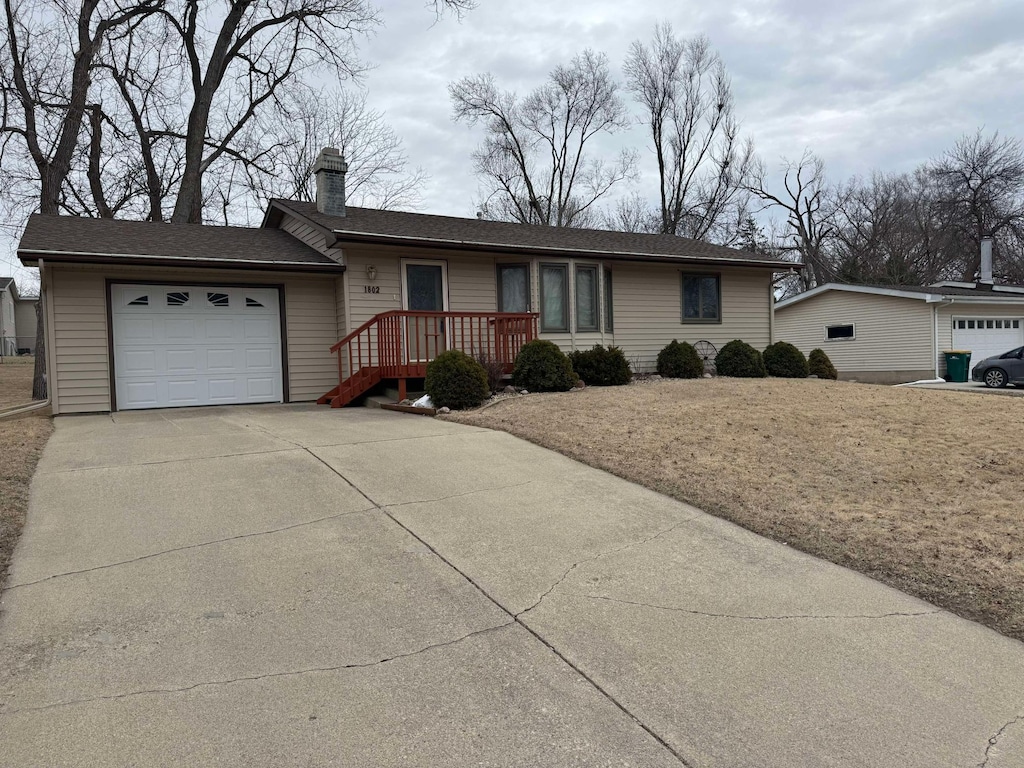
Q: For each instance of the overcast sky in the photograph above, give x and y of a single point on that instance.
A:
(868, 84)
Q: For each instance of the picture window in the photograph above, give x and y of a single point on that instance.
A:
(702, 298)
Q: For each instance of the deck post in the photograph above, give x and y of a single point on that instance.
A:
(401, 390)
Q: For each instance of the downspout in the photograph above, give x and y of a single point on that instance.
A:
(771, 303)
(935, 331)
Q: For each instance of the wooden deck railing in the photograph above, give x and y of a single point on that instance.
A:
(399, 344)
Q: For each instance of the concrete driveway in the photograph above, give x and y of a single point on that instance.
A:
(296, 586)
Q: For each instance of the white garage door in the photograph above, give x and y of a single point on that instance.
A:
(195, 345)
(987, 336)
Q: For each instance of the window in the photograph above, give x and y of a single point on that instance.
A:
(586, 299)
(840, 332)
(513, 287)
(701, 298)
(609, 317)
(217, 299)
(177, 298)
(554, 297)
(250, 302)
(961, 324)
(141, 301)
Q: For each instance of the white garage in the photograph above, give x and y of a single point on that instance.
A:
(987, 336)
(185, 345)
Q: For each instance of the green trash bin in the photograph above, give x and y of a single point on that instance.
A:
(958, 364)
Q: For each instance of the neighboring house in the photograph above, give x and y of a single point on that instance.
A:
(145, 315)
(17, 320)
(894, 334)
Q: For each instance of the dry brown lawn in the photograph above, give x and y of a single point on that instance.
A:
(21, 442)
(923, 490)
(16, 381)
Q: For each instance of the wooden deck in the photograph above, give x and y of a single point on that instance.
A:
(398, 345)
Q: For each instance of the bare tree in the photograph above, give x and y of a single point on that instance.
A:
(809, 206)
(703, 164)
(50, 50)
(378, 167)
(534, 162)
(981, 181)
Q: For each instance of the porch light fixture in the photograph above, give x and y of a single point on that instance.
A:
(371, 272)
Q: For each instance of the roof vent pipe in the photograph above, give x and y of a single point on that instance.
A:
(985, 275)
(330, 170)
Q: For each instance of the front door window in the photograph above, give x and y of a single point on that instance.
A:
(424, 292)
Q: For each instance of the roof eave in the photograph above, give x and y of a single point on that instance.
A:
(277, 208)
(30, 258)
(370, 238)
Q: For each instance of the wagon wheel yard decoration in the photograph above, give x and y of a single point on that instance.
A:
(707, 353)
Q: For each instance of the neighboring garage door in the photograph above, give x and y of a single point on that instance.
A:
(179, 345)
(987, 336)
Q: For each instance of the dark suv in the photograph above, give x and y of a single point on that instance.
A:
(1000, 370)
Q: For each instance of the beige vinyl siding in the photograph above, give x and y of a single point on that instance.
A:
(311, 236)
(471, 281)
(948, 312)
(82, 376)
(647, 302)
(311, 321)
(77, 296)
(892, 334)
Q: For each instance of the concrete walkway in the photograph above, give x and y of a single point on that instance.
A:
(295, 586)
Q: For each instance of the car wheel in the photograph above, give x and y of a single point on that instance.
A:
(995, 378)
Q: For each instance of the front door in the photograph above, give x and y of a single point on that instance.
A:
(425, 289)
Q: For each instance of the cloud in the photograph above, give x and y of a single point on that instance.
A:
(873, 84)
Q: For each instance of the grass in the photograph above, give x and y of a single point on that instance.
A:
(16, 381)
(919, 489)
(21, 443)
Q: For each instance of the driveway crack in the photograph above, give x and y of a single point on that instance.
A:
(598, 556)
(457, 495)
(515, 617)
(784, 617)
(256, 678)
(185, 548)
(995, 737)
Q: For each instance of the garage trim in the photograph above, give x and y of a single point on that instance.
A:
(110, 282)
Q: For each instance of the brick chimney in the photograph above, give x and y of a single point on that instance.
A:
(985, 273)
(330, 172)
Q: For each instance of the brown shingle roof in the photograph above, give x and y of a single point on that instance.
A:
(71, 238)
(373, 225)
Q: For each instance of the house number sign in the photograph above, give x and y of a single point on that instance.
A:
(371, 289)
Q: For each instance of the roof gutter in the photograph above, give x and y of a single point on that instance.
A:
(30, 257)
(370, 238)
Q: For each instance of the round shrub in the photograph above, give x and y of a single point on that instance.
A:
(819, 365)
(456, 380)
(737, 358)
(680, 361)
(600, 367)
(784, 360)
(542, 367)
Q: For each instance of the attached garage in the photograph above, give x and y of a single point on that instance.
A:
(184, 345)
(153, 315)
(987, 336)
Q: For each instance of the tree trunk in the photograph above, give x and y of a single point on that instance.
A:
(39, 374)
